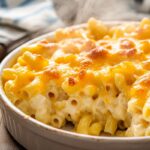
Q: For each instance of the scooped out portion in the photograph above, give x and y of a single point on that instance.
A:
(95, 77)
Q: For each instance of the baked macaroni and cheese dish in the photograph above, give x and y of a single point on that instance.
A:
(96, 78)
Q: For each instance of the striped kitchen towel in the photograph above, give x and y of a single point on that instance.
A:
(29, 14)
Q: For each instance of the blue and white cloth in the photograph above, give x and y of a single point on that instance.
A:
(29, 14)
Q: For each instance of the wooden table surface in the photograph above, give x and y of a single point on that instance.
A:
(6, 141)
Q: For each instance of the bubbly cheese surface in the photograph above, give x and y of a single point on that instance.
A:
(96, 77)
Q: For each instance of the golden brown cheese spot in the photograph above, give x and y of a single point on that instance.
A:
(51, 95)
(85, 63)
(71, 81)
(74, 102)
(128, 52)
(126, 44)
(82, 74)
(98, 52)
(107, 87)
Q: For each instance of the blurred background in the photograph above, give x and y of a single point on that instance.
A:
(22, 20)
(78, 11)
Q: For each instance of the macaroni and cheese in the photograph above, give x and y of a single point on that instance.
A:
(95, 77)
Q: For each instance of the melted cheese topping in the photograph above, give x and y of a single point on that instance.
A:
(96, 77)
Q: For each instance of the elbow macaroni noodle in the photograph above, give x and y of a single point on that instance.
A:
(95, 77)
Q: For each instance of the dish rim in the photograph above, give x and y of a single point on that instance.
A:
(5, 100)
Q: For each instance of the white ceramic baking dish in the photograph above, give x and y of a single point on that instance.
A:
(35, 135)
